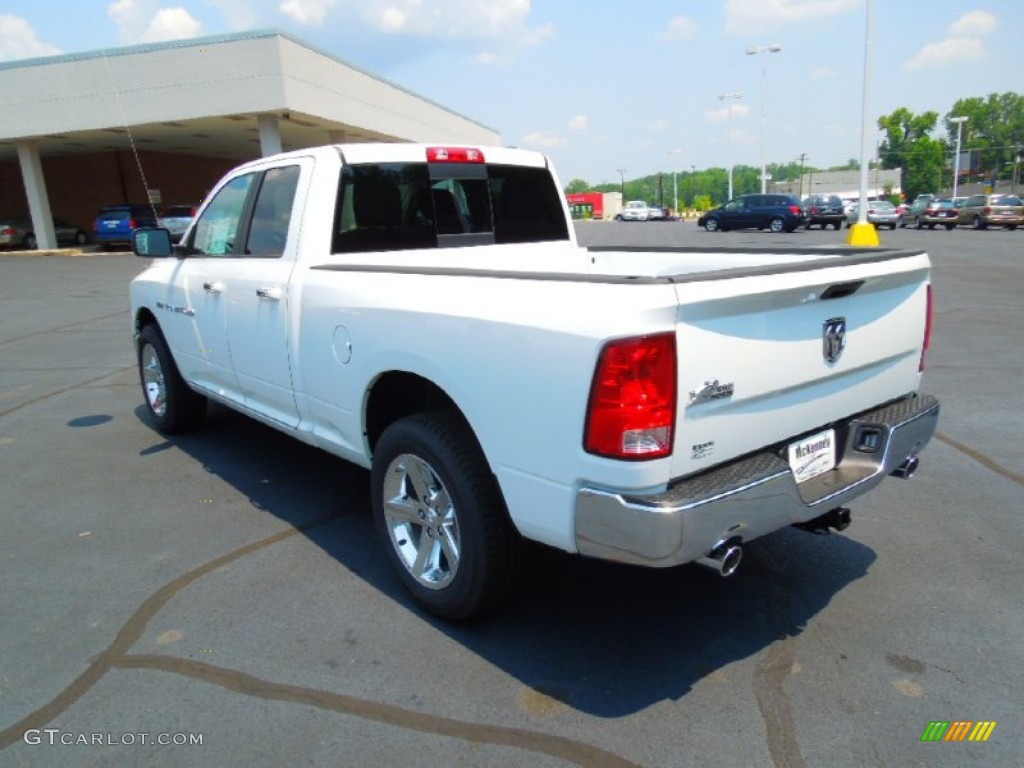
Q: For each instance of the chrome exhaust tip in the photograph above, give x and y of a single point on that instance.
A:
(906, 470)
(724, 558)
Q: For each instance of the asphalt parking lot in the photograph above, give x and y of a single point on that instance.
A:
(227, 586)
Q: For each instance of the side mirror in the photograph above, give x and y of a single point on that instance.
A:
(151, 242)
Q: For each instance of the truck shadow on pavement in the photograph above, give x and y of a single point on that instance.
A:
(605, 639)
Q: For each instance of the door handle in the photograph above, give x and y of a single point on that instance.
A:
(215, 287)
(270, 294)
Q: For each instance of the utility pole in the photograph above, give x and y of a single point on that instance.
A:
(622, 183)
(803, 156)
(764, 50)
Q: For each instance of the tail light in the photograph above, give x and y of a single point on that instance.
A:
(815, 209)
(927, 329)
(795, 210)
(132, 224)
(8, 231)
(987, 210)
(632, 408)
(96, 225)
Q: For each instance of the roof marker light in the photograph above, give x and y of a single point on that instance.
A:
(454, 155)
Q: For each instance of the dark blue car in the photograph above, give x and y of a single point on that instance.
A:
(779, 213)
(115, 223)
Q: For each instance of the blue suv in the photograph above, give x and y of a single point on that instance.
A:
(115, 223)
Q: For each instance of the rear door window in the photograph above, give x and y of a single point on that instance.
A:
(401, 206)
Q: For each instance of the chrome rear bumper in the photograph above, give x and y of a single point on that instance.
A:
(751, 496)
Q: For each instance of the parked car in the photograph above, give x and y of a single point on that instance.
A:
(635, 210)
(824, 210)
(912, 215)
(115, 223)
(939, 211)
(176, 218)
(981, 211)
(17, 232)
(779, 213)
(881, 213)
(656, 213)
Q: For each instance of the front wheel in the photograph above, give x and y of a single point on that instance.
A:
(836, 225)
(711, 225)
(978, 223)
(777, 225)
(173, 407)
(440, 514)
(30, 242)
(950, 226)
(80, 238)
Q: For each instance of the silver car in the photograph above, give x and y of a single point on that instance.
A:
(881, 213)
(176, 219)
(17, 232)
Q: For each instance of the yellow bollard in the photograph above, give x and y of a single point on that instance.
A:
(863, 235)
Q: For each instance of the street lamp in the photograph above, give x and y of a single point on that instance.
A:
(622, 183)
(675, 186)
(956, 161)
(753, 50)
(729, 98)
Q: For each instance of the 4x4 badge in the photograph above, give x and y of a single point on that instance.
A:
(833, 339)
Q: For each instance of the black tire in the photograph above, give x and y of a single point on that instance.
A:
(892, 227)
(918, 224)
(80, 238)
(902, 222)
(777, 225)
(711, 225)
(455, 559)
(1011, 226)
(977, 223)
(172, 405)
(950, 226)
(30, 243)
(836, 225)
(931, 226)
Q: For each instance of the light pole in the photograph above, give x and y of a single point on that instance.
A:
(753, 50)
(956, 161)
(729, 98)
(675, 186)
(622, 183)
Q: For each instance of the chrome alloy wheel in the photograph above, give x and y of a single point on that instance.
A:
(153, 381)
(421, 521)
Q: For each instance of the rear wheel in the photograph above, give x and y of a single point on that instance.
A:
(918, 224)
(173, 407)
(711, 225)
(950, 226)
(777, 225)
(977, 223)
(80, 238)
(440, 514)
(1011, 226)
(30, 242)
(836, 225)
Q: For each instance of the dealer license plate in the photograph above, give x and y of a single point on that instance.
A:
(813, 455)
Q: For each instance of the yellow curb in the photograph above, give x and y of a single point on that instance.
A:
(89, 250)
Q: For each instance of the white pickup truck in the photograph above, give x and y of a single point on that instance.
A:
(426, 312)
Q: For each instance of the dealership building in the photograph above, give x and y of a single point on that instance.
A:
(161, 123)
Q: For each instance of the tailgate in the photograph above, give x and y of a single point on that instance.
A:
(765, 358)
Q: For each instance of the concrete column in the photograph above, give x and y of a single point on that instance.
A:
(270, 135)
(336, 137)
(35, 191)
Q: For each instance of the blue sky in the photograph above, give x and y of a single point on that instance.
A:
(604, 85)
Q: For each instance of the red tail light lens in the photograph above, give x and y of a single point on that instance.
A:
(8, 231)
(795, 210)
(632, 408)
(987, 211)
(132, 224)
(927, 329)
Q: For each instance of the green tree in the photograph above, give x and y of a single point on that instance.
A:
(576, 186)
(995, 126)
(908, 146)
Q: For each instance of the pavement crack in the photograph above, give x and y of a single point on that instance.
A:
(981, 458)
(560, 747)
(63, 390)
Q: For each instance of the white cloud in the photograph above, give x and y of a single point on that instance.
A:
(309, 13)
(974, 24)
(500, 24)
(963, 43)
(543, 139)
(750, 17)
(658, 126)
(144, 21)
(740, 111)
(18, 40)
(821, 72)
(680, 28)
(171, 24)
(579, 123)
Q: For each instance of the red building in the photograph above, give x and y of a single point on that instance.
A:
(586, 205)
